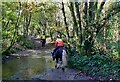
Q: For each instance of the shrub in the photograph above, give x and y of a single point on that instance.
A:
(99, 65)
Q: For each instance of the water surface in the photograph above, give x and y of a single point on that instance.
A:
(23, 68)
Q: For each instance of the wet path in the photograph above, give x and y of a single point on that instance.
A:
(58, 74)
(25, 64)
(37, 64)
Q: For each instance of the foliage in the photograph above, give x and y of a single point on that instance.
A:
(25, 42)
(99, 65)
(22, 43)
(17, 24)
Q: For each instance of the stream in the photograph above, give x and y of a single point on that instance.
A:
(37, 65)
(24, 65)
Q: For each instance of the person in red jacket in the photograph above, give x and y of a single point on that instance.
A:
(58, 43)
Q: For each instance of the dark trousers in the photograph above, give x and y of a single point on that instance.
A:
(53, 54)
(43, 42)
(54, 51)
(57, 54)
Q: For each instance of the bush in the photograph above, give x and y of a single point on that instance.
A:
(99, 65)
(25, 42)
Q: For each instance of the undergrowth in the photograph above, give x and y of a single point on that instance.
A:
(95, 65)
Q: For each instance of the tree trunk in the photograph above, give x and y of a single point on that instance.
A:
(86, 14)
(24, 27)
(105, 30)
(85, 17)
(91, 11)
(79, 20)
(63, 11)
(95, 8)
(100, 8)
(75, 26)
(45, 25)
(51, 35)
(27, 20)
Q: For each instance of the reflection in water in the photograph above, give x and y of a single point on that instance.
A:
(25, 67)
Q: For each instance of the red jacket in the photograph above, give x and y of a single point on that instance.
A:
(59, 43)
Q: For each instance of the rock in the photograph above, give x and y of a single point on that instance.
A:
(18, 57)
(7, 57)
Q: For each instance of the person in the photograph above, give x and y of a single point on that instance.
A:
(43, 40)
(58, 43)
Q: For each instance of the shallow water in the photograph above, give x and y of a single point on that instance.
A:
(23, 68)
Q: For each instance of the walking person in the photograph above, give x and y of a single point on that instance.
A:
(43, 40)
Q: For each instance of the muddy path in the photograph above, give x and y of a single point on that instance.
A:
(36, 64)
(58, 74)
